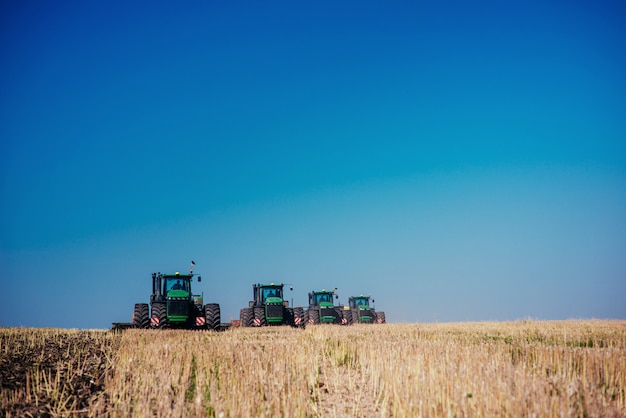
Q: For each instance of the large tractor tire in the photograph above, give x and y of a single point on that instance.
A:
(314, 317)
(306, 317)
(347, 317)
(298, 317)
(355, 316)
(159, 316)
(259, 317)
(212, 316)
(246, 317)
(288, 318)
(141, 316)
(380, 318)
(338, 315)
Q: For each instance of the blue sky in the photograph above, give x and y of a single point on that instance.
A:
(458, 161)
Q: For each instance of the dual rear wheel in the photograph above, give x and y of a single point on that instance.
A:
(246, 317)
(141, 316)
(212, 315)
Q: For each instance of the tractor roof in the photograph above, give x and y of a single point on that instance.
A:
(177, 274)
(323, 291)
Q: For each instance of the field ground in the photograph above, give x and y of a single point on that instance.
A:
(525, 368)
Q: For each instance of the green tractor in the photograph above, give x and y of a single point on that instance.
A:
(270, 308)
(322, 309)
(172, 305)
(359, 311)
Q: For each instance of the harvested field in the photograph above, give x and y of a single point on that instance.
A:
(525, 368)
(53, 372)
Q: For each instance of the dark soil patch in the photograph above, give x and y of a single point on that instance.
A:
(53, 372)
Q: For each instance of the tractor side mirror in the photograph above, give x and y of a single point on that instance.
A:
(373, 301)
(291, 288)
(199, 279)
(336, 296)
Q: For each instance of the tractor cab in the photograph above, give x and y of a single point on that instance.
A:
(271, 294)
(323, 298)
(176, 283)
(267, 294)
(360, 302)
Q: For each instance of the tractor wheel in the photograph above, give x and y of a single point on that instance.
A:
(212, 316)
(338, 315)
(347, 315)
(355, 316)
(141, 316)
(314, 316)
(373, 316)
(159, 316)
(259, 317)
(245, 317)
(380, 318)
(306, 317)
(288, 318)
(250, 314)
(298, 317)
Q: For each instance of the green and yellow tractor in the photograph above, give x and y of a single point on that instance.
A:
(270, 308)
(359, 311)
(172, 305)
(322, 309)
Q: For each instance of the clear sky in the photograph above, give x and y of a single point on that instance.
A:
(456, 160)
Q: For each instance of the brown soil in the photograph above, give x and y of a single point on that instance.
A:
(45, 374)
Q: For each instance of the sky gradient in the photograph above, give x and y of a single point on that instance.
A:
(458, 161)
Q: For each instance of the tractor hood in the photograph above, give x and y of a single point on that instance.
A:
(177, 294)
(273, 299)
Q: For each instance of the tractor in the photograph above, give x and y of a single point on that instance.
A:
(270, 308)
(359, 311)
(322, 309)
(172, 305)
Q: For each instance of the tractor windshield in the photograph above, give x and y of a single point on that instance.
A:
(323, 297)
(272, 292)
(361, 301)
(176, 283)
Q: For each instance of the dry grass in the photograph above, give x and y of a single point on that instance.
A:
(526, 368)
